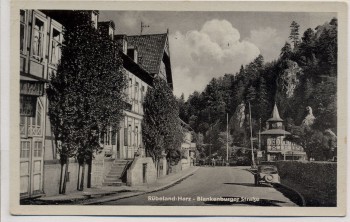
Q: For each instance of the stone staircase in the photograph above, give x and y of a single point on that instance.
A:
(113, 178)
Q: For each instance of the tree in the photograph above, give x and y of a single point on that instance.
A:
(161, 127)
(294, 34)
(251, 94)
(62, 115)
(308, 42)
(183, 112)
(286, 51)
(223, 140)
(91, 85)
(262, 98)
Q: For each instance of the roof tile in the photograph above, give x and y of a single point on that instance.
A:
(150, 48)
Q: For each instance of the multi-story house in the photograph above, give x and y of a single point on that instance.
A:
(40, 40)
(41, 36)
(144, 57)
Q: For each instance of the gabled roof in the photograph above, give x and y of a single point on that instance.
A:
(151, 49)
(275, 115)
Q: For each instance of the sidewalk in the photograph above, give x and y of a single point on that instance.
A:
(110, 193)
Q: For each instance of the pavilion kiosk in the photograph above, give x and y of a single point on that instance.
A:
(274, 144)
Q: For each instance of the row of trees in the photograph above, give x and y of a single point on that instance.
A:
(85, 95)
(86, 98)
(304, 75)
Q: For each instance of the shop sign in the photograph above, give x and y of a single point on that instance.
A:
(27, 105)
(31, 88)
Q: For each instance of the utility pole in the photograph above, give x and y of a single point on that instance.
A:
(251, 134)
(259, 134)
(210, 135)
(227, 139)
(258, 160)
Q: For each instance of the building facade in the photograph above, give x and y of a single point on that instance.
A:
(274, 143)
(41, 37)
(40, 40)
(144, 58)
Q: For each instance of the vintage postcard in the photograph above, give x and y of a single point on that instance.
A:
(178, 108)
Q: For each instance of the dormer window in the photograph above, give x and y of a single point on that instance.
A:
(132, 53)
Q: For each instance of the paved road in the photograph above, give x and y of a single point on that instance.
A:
(212, 186)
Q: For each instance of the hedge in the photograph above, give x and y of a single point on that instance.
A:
(316, 181)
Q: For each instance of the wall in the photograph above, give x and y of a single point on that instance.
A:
(135, 172)
(186, 163)
(52, 172)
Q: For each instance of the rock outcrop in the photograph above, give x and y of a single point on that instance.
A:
(238, 117)
(289, 79)
(309, 119)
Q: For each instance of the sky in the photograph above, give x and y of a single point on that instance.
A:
(204, 45)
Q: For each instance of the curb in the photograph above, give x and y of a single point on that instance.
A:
(301, 197)
(170, 184)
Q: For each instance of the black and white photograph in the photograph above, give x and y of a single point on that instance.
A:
(232, 109)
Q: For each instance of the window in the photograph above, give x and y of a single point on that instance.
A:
(131, 53)
(130, 88)
(55, 47)
(142, 93)
(136, 90)
(25, 149)
(137, 135)
(22, 125)
(38, 116)
(34, 127)
(126, 136)
(130, 134)
(23, 30)
(37, 148)
(38, 39)
(113, 139)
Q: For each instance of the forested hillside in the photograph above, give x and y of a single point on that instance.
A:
(304, 75)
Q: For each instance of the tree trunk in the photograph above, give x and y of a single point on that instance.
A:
(82, 178)
(169, 169)
(65, 178)
(60, 187)
(78, 182)
(89, 172)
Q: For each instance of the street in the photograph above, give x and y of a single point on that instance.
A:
(212, 186)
